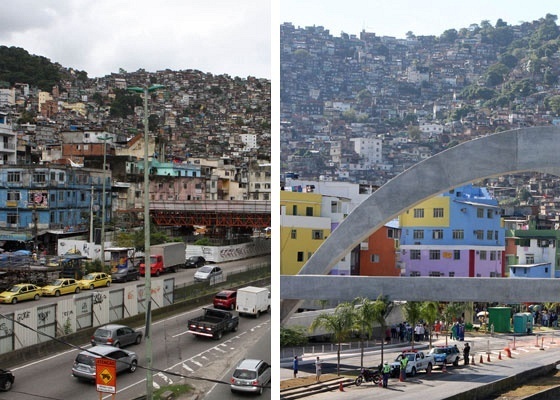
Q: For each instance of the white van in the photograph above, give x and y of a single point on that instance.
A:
(253, 301)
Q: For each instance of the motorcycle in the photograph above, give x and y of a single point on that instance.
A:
(367, 375)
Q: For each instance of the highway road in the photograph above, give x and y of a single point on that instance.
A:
(173, 350)
(181, 277)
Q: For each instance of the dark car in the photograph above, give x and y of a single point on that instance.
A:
(6, 379)
(125, 274)
(116, 335)
(195, 262)
(226, 299)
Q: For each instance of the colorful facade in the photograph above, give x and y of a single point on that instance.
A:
(455, 234)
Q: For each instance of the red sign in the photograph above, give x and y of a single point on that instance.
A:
(106, 375)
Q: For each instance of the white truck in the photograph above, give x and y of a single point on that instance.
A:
(417, 361)
(164, 258)
(253, 301)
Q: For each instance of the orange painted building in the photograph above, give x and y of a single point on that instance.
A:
(378, 256)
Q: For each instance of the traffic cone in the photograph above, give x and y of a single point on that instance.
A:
(444, 368)
(341, 387)
(500, 355)
(472, 362)
(481, 360)
(488, 358)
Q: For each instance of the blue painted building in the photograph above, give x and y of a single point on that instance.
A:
(457, 233)
(41, 203)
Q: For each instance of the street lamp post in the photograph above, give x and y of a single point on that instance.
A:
(147, 269)
(103, 200)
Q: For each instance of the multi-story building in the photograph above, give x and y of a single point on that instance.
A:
(9, 140)
(456, 234)
(369, 150)
(378, 255)
(53, 200)
(302, 229)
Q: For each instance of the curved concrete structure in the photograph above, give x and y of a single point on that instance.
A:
(520, 150)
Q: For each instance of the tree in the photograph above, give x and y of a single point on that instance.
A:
(382, 307)
(429, 312)
(412, 313)
(364, 318)
(339, 324)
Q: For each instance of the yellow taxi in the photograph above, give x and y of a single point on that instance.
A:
(19, 292)
(61, 286)
(94, 280)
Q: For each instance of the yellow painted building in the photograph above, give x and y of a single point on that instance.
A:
(302, 229)
(433, 212)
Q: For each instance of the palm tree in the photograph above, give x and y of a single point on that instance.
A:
(381, 309)
(429, 312)
(412, 313)
(339, 324)
(364, 318)
(453, 311)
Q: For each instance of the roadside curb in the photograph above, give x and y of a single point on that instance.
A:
(309, 390)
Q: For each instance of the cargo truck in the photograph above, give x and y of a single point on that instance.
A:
(213, 323)
(253, 301)
(167, 257)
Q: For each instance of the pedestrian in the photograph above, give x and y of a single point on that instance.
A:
(386, 371)
(404, 363)
(295, 366)
(466, 352)
(318, 369)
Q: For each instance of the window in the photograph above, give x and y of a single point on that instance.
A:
(529, 258)
(492, 256)
(489, 235)
(12, 218)
(317, 234)
(14, 176)
(458, 234)
(309, 211)
(489, 214)
(418, 213)
(293, 234)
(294, 210)
(451, 274)
(415, 254)
(435, 273)
(479, 234)
(437, 234)
(435, 255)
(39, 177)
(375, 258)
(438, 212)
(456, 254)
(300, 256)
(480, 212)
(496, 235)
(418, 234)
(13, 195)
(483, 254)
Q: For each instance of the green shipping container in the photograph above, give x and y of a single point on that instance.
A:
(500, 317)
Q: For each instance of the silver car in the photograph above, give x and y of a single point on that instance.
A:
(84, 365)
(116, 335)
(250, 376)
(207, 273)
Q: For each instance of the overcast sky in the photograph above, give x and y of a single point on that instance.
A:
(100, 36)
(397, 17)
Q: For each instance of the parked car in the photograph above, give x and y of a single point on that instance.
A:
(94, 280)
(6, 379)
(61, 286)
(116, 335)
(207, 273)
(125, 274)
(19, 292)
(84, 365)
(250, 376)
(195, 262)
(446, 355)
(226, 299)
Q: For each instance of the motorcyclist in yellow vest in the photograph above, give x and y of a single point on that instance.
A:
(386, 372)
(404, 363)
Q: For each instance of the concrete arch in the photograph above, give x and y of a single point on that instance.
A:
(520, 150)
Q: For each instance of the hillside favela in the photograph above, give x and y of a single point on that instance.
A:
(420, 211)
(134, 229)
